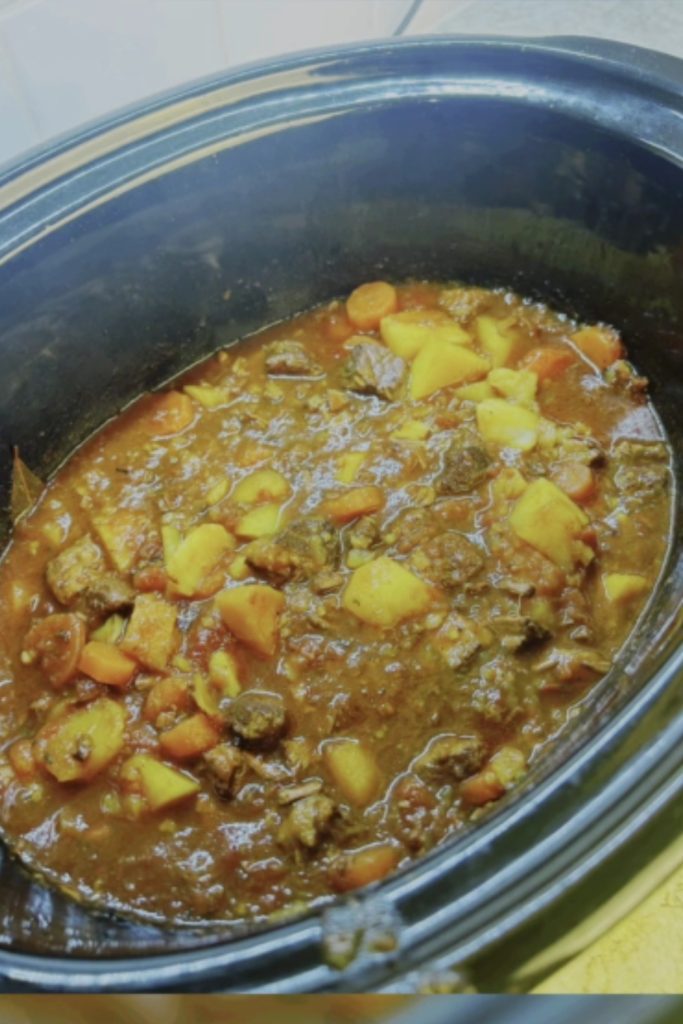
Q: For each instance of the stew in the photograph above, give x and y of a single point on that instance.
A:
(285, 626)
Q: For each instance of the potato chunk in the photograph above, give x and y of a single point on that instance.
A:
(259, 522)
(622, 587)
(160, 785)
(383, 593)
(360, 501)
(438, 365)
(407, 332)
(263, 485)
(122, 534)
(252, 613)
(507, 425)
(354, 770)
(80, 744)
(518, 385)
(151, 636)
(496, 339)
(550, 521)
(190, 738)
(198, 555)
(349, 465)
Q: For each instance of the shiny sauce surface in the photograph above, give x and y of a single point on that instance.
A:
(280, 629)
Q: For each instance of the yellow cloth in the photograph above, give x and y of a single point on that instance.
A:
(643, 953)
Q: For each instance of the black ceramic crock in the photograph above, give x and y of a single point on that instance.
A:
(144, 243)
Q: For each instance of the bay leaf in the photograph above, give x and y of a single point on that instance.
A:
(26, 487)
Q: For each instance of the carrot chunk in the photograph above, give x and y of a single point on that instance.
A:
(20, 756)
(367, 305)
(601, 344)
(548, 361)
(361, 867)
(106, 663)
(352, 504)
(170, 413)
(190, 738)
(576, 480)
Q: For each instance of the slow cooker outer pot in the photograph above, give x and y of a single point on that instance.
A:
(141, 245)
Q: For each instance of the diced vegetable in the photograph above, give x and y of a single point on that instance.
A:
(263, 485)
(106, 663)
(222, 682)
(354, 770)
(505, 768)
(623, 587)
(407, 332)
(198, 555)
(518, 385)
(80, 744)
(122, 535)
(368, 304)
(206, 395)
(170, 694)
(252, 613)
(168, 414)
(111, 630)
(550, 521)
(57, 642)
(383, 593)
(151, 636)
(438, 365)
(20, 757)
(548, 361)
(496, 338)
(411, 430)
(348, 466)
(507, 425)
(190, 738)
(509, 765)
(356, 868)
(259, 522)
(217, 492)
(600, 344)
(476, 392)
(160, 785)
(361, 501)
(223, 673)
(508, 484)
(171, 538)
(576, 479)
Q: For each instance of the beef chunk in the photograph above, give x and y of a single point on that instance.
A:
(452, 757)
(447, 559)
(364, 533)
(290, 359)
(71, 571)
(258, 716)
(457, 640)
(225, 767)
(372, 369)
(519, 632)
(106, 593)
(409, 528)
(641, 472)
(465, 467)
(308, 820)
(302, 550)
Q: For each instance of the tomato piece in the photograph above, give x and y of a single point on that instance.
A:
(57, 641)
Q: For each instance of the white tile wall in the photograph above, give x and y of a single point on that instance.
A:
(64, 62)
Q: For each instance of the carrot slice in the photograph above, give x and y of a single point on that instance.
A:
(482, 788)
(190, 738)
(548, 361)
(106, 663)
(575, 479)
(368, 304)
(57, 641)
(170, 413)
(601, 344)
